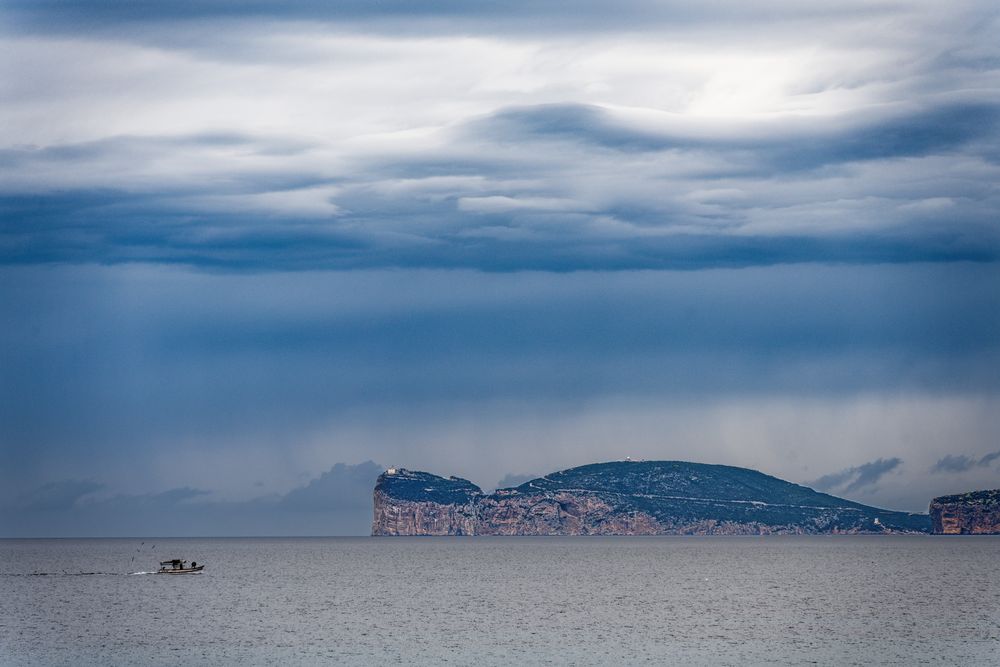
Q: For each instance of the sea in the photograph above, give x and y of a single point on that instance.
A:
(774, 600)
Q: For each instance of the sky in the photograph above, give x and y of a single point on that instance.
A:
(253, 253)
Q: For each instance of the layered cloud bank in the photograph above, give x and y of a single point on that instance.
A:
(288, 136)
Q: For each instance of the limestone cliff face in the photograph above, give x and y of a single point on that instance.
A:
(561, 513)
(417, 503)
(625, 498)
(975, 513)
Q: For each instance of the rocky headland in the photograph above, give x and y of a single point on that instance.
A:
(974, 513)
(625, 498)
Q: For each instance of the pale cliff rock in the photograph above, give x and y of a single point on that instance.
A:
(975, 513)
(418, 503)
(625, 498)
(561, 513)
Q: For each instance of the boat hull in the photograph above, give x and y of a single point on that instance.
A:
(182, 570)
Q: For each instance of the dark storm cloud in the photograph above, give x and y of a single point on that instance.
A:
(61, 495)
(963, 463)
(575, 122)
(784, 146)
(337, 502)
(522, 16)
(120, 228)
(342, 487)
(951, 463)
(856, 478)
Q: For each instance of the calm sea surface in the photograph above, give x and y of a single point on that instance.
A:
(492, 601)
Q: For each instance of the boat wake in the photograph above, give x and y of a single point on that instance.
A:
(79, 574)
(69, 574)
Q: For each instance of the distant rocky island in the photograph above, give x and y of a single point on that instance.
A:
(626, 498)
(975, 513)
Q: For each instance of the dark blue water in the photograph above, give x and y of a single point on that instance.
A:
(492, 601)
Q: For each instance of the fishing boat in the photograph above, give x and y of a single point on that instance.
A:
(178, 566)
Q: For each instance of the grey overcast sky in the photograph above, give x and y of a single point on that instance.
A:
(253, 252)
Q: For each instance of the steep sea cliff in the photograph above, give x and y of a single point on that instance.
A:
(625, 498)
(974, 513)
